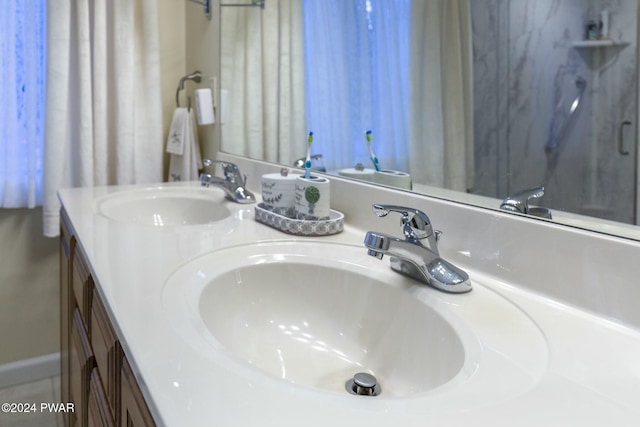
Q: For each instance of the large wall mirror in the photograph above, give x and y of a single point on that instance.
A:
(475, 99)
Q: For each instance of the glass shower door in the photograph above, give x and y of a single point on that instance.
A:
(565, 110)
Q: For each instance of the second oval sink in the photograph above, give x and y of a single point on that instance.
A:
(164, 206)
(307, 313)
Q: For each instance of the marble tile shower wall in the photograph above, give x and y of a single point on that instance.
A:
(525, 68)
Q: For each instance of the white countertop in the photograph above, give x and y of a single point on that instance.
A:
(589, 374)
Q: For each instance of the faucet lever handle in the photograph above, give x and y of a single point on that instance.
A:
(416, 225)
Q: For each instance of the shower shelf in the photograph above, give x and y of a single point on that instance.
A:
(598, 43)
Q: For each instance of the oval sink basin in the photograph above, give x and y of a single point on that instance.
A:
(164, 206)
(308, 313)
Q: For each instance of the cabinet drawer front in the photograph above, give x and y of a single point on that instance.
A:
(81, 285)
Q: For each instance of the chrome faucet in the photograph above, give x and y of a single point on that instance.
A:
(233, 182)
(417, 254)
(520, 203)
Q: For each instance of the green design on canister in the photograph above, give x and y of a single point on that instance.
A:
(312, 194)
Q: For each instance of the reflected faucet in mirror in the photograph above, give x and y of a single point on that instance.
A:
(416, 255)
(300, 163)
(520, 203)
(233, 183)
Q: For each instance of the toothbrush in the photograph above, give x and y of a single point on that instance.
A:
(307, 163)
(369, 135)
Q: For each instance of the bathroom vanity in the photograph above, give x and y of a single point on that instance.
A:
(225, 321)
(95, 374)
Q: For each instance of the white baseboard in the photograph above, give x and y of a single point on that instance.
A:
(28, 370)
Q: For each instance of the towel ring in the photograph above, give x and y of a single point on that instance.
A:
(196, 76)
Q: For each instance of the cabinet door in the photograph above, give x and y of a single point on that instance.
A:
(98, 409)
(81, 362)
(107, 352)
(134, 411)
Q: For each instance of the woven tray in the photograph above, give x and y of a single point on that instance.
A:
(301, 227)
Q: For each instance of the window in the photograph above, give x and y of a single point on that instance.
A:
(22, 102)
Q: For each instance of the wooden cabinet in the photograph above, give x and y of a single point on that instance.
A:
(134, 411)
(65, 268)
(95, 374)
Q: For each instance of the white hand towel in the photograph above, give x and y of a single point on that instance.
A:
(182, 144)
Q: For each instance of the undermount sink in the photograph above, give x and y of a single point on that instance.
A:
(308, 313)
(164, 206)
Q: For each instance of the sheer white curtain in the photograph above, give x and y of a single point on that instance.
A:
(441, 87)
(263, 71)
(356, 58)
(22, 90)
(104, 113)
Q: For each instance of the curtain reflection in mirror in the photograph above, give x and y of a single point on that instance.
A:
(441, 109)
(263, 71)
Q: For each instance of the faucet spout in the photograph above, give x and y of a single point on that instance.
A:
(419, 262)
(520, 203)
(410, 256)
(233, 182)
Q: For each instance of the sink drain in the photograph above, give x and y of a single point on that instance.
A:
(363, 384)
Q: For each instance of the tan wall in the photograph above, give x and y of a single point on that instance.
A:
(29, 296)
(203, 51)
(171, 25)
(29, 264)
